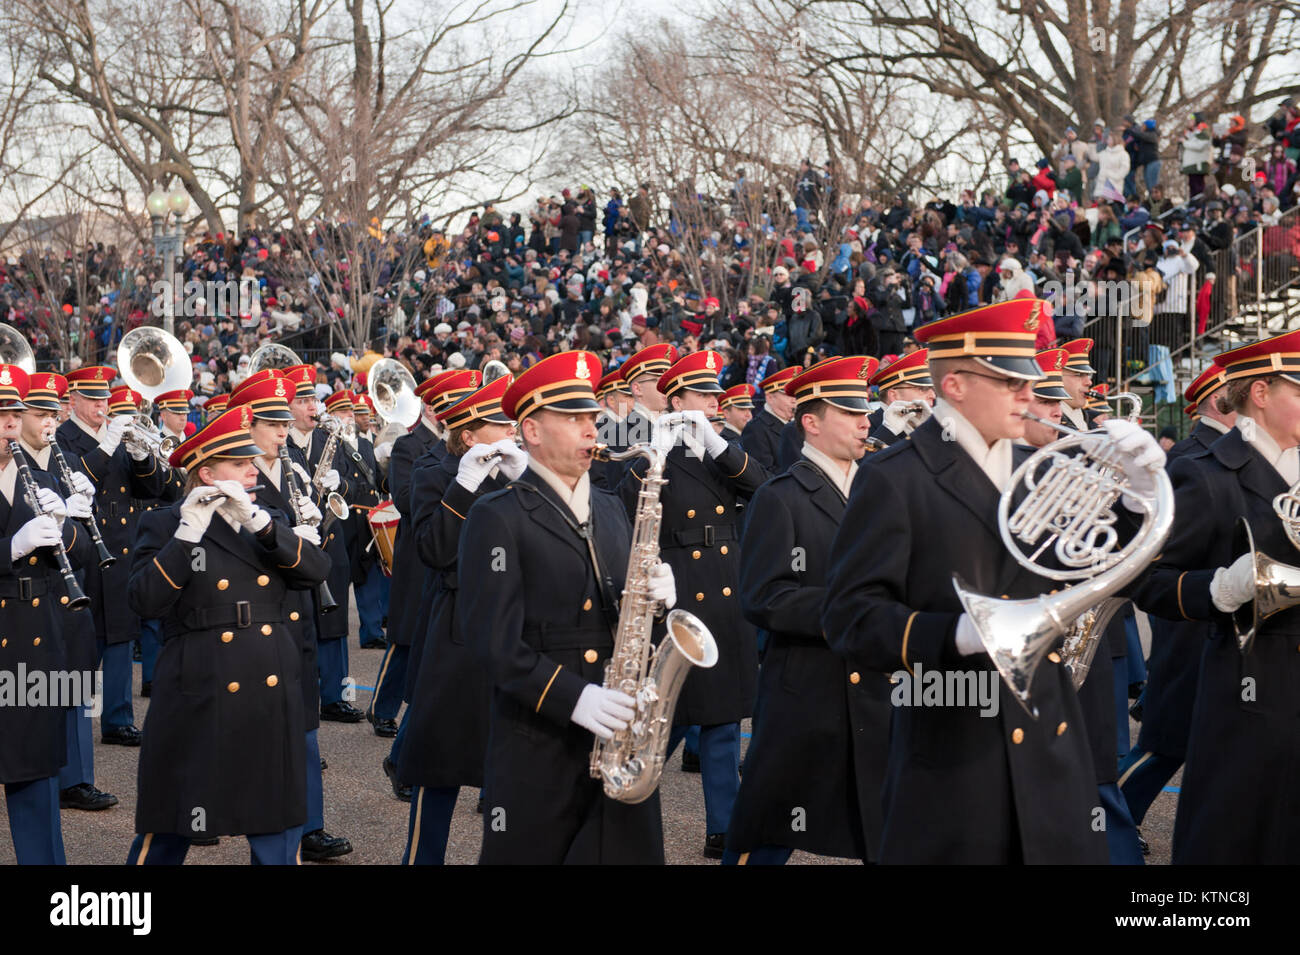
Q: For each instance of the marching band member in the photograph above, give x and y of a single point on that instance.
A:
(447, 721)
(1076, 378)
(92, 442)
(214, 407)
(700, 540)
(77, 788)
(919, 512)
(815, 767)
(33, 734)
(1097, 695)
(1176, 644)
(1239, 788)
(737, 407)
(450, 388)
(407, 585)
(616, 400)
(542, 566)
(266, 395)
(762, 436)
(641, 373)
(900, 384)
(223, 739)
(363, 410)
(332, 627)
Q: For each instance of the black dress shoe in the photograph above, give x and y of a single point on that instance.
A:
(146, 688)
(1135, 711)
(323, 765)
(341, 712)
(714, 844)
(400, 791)
(206, 841)
(690, 761)
(87, 797)
(121, 736)
(375, 645)
(1143, 844)
(478, 808)
(320, 845)
(384, 728)
(1135, 690)
(136, 653)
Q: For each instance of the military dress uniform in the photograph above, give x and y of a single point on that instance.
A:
(638, 427)
(816, 764)
(542, 616)
(33, 623)
(1241, 782)
(369, 582)
(223, 739)
(266, 397)
(959, 787)
(611, 431)
(699, 538)
(120, 480)
(761, 438)
(447, 720)
(1077, 363)
(1175, 659)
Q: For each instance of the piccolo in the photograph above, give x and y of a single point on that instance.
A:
(222, 495)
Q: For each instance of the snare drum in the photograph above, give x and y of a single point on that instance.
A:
(383, 518)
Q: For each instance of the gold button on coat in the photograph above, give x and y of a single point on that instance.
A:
(586, 605)
(36, 642)
(4, 642)
(723, 548)
(695, 555)
(36, 601)
(272, 680)
(222, 584)
(590, 656)
(227, 637)
(691, 512)
(263, 580)
(720, 509)
(63, 599)
(1054, 657)
(855, 677)
(294, 615)
(266, 629)
(232, 687)
(32, 559)
(124, 520)
(699, 597)
(726, 591)
(1060, 730)
(1017, 735)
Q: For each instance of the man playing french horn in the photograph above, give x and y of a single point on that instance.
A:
(962, 787)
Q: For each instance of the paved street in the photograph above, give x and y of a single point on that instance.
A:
(359, 803)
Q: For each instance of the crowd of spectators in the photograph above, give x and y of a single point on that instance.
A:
(793, 272)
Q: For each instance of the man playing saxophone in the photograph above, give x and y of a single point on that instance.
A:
(543, 563)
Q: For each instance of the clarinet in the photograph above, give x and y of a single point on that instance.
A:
(106, 559)
(76, 598)
(297, 495)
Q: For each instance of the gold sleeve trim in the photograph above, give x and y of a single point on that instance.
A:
(742, 467)
(297, 560)
(88, 471)
(907, 632)
(453, 510)
(175, 586)
(1180, 596)
(547, 690)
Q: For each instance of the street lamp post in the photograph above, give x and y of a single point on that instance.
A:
(169, 243)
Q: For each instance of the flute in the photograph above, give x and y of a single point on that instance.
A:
(106, 560)
(221, 495)
(76, 598)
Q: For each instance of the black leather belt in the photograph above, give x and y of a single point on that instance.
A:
(242, 614)
(24, 588)
(567, 638)
(706, 535)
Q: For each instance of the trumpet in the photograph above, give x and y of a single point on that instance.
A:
(144, 435)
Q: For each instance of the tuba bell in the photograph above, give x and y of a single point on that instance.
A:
(392, 388)
(15, 349)
(273, 355)
(151, 362)
(1071, 488)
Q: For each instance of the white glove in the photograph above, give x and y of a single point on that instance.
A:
(697, 425)
(968, 638)
(383, 452)
(898, 419)
(339, 361)
(82, 485)
(1233, 587)
(137, 453)
(331, 480)
(310, 513)
(513, 458)
(307, 533)
(474, 466)
(117, 426)
(663, 586)
(239, 507)
(1143, 457)
(78, 506)
(40, 531)
(195, 515)
(664, 430)
(51, 504)
(299, 470)
(603, 711)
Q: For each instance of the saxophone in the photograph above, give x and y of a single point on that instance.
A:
(633, 760)
(334, 503)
